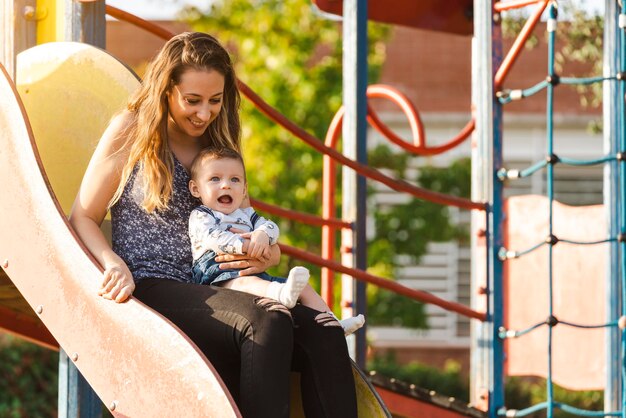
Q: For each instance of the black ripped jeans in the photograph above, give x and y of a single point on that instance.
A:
(253, 348)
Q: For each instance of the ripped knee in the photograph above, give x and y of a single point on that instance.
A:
(325, 319)
(271, 305)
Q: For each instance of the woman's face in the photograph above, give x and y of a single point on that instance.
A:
(194, 103)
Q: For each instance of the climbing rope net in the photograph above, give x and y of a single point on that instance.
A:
(616, 159)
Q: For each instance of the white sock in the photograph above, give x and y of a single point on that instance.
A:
(352, 324)
(288, 293)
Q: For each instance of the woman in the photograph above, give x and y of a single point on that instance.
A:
(189, 100)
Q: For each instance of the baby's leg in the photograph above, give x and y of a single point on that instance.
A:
(288, 293)
(248, 284)
(310, 298)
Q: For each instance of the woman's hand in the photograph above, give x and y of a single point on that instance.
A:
(117, 283)
(249, 266)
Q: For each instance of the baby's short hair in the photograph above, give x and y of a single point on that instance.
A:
(214, 153)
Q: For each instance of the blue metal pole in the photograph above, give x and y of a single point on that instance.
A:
(355, 147)
(613, 118)
(76, 398)
(487, 347)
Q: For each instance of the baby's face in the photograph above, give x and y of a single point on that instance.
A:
(220, 184)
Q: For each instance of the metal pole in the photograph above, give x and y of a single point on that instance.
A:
(86, 22)
(76, 398)
(355, 147)
(611, 110)
(487, 375)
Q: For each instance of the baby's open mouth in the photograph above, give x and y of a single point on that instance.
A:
(225, 199)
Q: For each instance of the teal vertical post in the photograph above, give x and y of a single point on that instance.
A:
(621, 187)
(612, 111)
(355, 147)
(76, 398)
(487, 359)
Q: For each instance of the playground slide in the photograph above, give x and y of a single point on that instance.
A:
(128, 353)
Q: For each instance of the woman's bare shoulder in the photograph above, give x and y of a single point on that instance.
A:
(117, 133)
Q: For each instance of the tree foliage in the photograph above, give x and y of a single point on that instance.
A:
(28, 387)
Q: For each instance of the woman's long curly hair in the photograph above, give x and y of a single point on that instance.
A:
(147, 133)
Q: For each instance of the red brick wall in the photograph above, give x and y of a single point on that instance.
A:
(434, 70)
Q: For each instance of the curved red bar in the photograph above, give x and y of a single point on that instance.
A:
(380, 91)
(137, 21)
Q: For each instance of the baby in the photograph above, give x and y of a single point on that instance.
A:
(218, 179)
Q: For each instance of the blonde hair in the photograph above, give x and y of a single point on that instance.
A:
(147, 133)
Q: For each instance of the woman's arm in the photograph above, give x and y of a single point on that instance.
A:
(90, 207)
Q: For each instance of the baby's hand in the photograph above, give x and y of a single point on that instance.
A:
(259, 244)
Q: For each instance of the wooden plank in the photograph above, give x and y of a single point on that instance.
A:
(11, 299)
(27, 327)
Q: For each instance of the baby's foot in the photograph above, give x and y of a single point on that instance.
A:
(352, 324)
(290, 291)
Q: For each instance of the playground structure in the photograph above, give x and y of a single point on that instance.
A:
(491, 326)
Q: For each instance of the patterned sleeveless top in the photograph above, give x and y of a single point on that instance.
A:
(156, 245)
